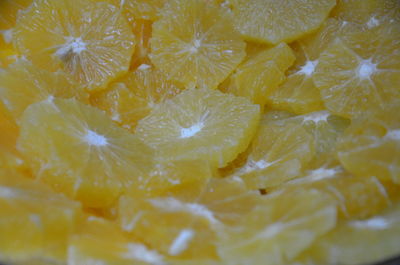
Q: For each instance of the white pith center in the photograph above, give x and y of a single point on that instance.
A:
(73, 46)
(393, 135)
(192, 130)
(372, 22)
(376, 223)
(309, 68)
(366, 69)
(195, 47)
(181, 242)
(316, 117)
(93, 138)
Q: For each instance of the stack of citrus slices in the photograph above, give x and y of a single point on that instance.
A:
(186, 132)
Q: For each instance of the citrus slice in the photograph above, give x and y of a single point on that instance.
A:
(298, 93)
(278, 229)
(35, 221)
(371, 145)
(259, 75)
(132, 98)
(79, 151)
(200, 124)
(365, 241)
(23, 84)
(195, 43)
(92, 42)
(360, 70)
(95, 235)
(274, 21)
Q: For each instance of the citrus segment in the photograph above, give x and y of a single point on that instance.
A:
(278, 229)
(360, 70)
(80, 152)
(196, 125)
(142, 31)
(22, 84)
(195, 43)
(132, 98)
(274, 21)
(259, 75)
(92, 42)
(371, 145)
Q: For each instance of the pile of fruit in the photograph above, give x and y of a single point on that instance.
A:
(186, 132)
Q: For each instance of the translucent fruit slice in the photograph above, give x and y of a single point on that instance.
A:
(260, 74)
(195, 43)
(371, 145)
(200, 124)
(278, 229)
(23, 84)
(98, 241)
(79, 151)
(274, 21)
(366, 241)
(133, 97)
(184, 224)
(360, 70)
(34, 220)
(298, 93)
(92, 42)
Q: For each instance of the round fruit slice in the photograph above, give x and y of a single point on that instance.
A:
(360, 70)
(23, 84)
(298, 93)
(200, 124)
(371, 145)
(278, 229)
(79, 151)
(260, 74)
(366, 241)
(34, 220)
(132, 98)
(274, 21)
(195, 43)
(92, 42)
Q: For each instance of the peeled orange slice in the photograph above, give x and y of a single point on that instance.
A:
(92, 42)
(79, 151)
(200, 124)
(195, 43)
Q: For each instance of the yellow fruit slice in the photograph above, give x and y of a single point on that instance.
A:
(274, 21)
(92, 42)
(185, 225)
(259, 75)
(278, 229)
(366, 241)
(367, 12)
(371, 145)
(195, 43)
(200, 124)
(298, 93)
(133, 97)
(23, 84)
(34, 221)
(98, 241)
(360, 71)
(79, 151)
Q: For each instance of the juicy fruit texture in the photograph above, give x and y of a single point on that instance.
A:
(298, 93)
(189, 132)
(260, 74)
(371, 145)
(132, 98)
(280, 228)
(359, 71)
(274, 21)
(358, 241)
(91, 42)
(80, 152)
(196, 125)
(32, 211)
(22, 84)
(195, 43)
